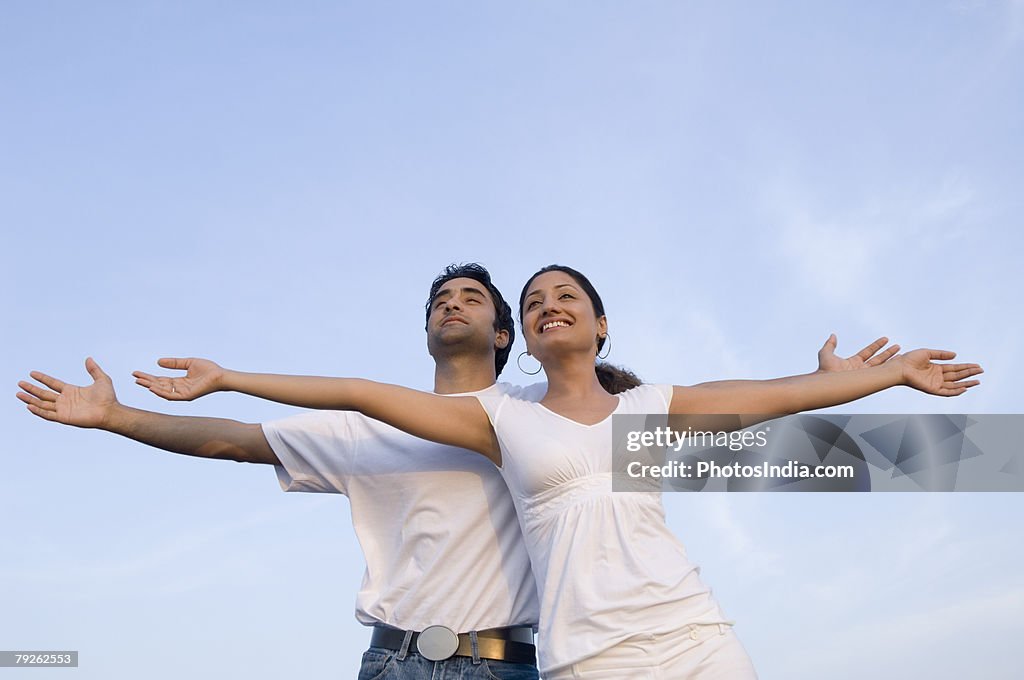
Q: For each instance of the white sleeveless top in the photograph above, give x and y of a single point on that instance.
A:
(607, 566)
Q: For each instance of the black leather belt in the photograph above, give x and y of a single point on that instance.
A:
(437, 643)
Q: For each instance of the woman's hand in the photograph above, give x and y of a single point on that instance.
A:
(202, 377)
(828, 362)
(944, 380)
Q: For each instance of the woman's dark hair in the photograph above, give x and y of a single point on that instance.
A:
(613, 379)
(502, 310)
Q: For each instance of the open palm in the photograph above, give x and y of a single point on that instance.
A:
(828, 362)
(202, 377)
(945, 380)
(70, 404)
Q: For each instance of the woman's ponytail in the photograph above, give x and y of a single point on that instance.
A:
(615, 379)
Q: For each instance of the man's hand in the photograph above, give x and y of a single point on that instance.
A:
(201, 378)
(70, 404)
(828, 362)
(944, 380)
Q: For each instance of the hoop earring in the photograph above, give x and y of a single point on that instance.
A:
(520, 358)
(608, 346)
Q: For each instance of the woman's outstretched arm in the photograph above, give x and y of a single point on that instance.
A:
(794, 394)
(830, 362)
(456, 421)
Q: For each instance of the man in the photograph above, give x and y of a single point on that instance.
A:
(443, 549)
(447, 587)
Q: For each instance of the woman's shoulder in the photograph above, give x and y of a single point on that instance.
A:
(647, 398)
(502, 398)
(534, 392)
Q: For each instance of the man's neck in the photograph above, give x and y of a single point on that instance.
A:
(453, 375)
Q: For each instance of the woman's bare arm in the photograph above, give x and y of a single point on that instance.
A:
(457, 421)
(794, 394)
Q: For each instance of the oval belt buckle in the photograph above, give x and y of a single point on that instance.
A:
(437, 643)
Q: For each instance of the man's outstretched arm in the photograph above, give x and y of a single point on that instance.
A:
(96, 406)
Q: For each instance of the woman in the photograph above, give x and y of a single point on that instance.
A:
(618, 596)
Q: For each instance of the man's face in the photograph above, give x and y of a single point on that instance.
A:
(462, 319)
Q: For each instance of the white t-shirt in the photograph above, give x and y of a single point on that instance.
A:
(607, 566)
(436, 523)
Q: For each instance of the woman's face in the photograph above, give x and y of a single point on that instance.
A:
(558, 317)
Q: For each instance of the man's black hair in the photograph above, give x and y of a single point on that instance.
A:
(502, 310)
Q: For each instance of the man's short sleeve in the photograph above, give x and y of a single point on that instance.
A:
(316, 450)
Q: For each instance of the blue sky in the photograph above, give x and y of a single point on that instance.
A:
(274, 188)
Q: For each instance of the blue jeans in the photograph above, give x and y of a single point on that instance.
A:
(384, 664)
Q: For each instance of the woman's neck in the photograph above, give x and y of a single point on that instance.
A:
(572, 378)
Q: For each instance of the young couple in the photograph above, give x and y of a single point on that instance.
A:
(448, 586)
